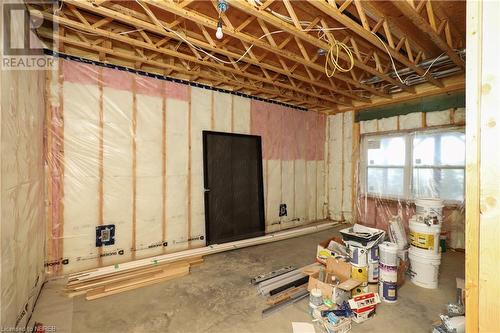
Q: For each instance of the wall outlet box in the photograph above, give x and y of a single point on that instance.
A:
(283, 211)
(105, 235)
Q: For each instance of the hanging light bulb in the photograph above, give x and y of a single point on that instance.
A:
(222, 7)
(218, 33)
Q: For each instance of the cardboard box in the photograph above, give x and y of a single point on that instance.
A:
(363, 306)
(322, 251)
(342, 272)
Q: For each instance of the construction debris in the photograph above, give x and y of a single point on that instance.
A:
(124, 280)
(270, 275)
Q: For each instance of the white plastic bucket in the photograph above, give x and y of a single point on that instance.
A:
(430, 207)
(388, 273)
(425, 238)
(388, 253)
(424, 268)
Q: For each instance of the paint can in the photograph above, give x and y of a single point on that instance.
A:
(373, 254)
(359, 273)
(388, 253)
(388, 291)
(431, 208)
(358, 256)
(359, 290)
(373, 272)
(388, 273)
(424, 268)
(423, 237)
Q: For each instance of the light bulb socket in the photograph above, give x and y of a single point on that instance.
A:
(222, 6)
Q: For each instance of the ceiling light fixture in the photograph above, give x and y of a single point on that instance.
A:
(222, 6)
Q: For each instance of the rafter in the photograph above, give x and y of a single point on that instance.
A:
(183, 57)
(258, 42)
(365, 32)
(430, 29)
(290, 28)
(128, 18)
(264, 53)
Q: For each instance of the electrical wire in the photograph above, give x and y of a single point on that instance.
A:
(332, 58)
(330, 62)
(390, 57)
(405, 82)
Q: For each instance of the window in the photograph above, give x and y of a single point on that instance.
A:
(415, 165)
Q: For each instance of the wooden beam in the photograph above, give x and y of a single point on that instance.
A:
(429, 30)
(365, 32)
(165, 51)
(258, 42)
(44, 33)
(451, 84)
(212, 23)
(291, 29)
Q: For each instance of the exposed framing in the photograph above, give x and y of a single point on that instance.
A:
(148, 35)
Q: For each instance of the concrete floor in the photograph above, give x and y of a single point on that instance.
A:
(217, 297)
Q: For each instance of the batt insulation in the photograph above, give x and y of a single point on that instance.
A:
(340, 166)
(22, 194)
(126, 150)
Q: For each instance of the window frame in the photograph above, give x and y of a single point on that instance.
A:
(409, 166)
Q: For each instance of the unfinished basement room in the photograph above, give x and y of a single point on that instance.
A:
(250, 166)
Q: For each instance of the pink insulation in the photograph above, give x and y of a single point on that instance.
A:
(288, 134)
(82, 73)
(177, 91)
(77, 72)
(149, 86)
(117, 79)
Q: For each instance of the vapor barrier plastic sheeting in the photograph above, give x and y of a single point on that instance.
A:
(125, 164)
(398, 167)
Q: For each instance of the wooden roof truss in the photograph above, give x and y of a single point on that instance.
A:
(271, 49)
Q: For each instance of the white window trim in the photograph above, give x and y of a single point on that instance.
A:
(408, 167)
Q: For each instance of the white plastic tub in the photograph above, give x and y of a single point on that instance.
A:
(424, 268)
(425, 238)
(430, 207)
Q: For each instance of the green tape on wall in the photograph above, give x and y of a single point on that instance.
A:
(424, 104)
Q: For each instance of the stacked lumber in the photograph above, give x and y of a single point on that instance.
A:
(94, 287)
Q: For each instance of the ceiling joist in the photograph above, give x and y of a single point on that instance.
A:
(269, 48)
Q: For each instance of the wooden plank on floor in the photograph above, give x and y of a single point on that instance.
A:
(102, 293)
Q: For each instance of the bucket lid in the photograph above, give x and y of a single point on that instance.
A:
(431, 255)
(432, 202)
(388, 246)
